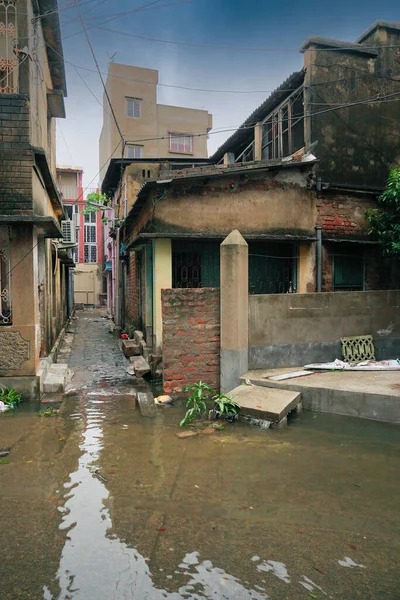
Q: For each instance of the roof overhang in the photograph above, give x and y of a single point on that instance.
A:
(393, 25)
(49, 16)
(339, 45)
(51, 188)
(46, 226)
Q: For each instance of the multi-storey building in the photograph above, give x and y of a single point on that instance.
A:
(88, 236)
(149, 129)
(35, 279)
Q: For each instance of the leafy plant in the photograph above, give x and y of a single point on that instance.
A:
(225, 407)
(201, 393)
(49, 412)
(385, 220)
(96, 203)
(10, 397)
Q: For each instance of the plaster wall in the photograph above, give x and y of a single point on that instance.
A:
(296, 329)
(87, 283)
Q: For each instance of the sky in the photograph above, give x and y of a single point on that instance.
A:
(246, 46)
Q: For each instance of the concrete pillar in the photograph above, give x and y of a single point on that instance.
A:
(258, 141)
(229, 158)
(306, 271)
(234, 310)
(162, 279)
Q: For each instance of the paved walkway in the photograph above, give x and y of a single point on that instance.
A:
(96, 359)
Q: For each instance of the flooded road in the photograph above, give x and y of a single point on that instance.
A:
(101, 503)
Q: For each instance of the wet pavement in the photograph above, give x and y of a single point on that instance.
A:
(100, 503)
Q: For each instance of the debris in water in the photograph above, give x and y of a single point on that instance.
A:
(348, 562)
(161, 529)
(98, 474)
(4, 461)
(186, 434)
(164, 399)
(49, 412)
(352, 546)
(5, 451)
(357, 485)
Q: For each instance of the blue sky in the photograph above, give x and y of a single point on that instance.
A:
(280, 27)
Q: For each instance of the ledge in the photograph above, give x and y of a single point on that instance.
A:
(47, 226)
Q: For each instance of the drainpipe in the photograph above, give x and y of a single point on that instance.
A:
(117, 281)
(319, 257)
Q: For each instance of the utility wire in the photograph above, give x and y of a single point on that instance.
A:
(65, 142)
(100, 75)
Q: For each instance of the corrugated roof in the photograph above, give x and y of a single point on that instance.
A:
(244, 135)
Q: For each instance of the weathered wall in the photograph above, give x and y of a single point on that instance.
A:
(356, 144)
(191, 338)
(132, 298)
(343, 215)
(15, 155)
(296, 329)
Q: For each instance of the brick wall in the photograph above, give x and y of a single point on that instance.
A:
(15, 155)
(343, 215)
(191, 338)
(132, 315)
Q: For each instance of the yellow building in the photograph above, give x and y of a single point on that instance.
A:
(150, 130)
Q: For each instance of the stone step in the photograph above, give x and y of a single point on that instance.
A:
(56, 379)
(267, 404)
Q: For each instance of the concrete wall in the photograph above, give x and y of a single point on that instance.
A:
(296, 329)
(87, 283)
(191, 338)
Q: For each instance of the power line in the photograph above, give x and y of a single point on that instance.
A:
(240, 48)
(65, 142)
(100, 75)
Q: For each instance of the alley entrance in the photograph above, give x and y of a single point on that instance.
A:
(100, 502)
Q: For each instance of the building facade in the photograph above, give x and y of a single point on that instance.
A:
(295, 179)
(89, 283)
(35, 280)
(150, 130)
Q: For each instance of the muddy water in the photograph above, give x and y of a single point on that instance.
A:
(100, 503)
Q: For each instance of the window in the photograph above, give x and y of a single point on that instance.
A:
(348, 272)
(134, 151)
(90, 239)
(5, 283)
(8, 37)
(180, 143)
(283, 129)
(133, 108)
(195, 265)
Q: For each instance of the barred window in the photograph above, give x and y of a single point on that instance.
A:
(8, 37)
(5, 280)
(90, 239)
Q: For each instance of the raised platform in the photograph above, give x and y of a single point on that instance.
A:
(269, 404)
(370, 395)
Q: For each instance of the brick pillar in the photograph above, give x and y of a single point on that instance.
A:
(234, 309)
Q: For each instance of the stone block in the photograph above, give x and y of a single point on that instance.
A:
(146, 404)
(138, 336)
(140, 366)
(265, 403)
(54, 383)
(130, 348)
(146, 353)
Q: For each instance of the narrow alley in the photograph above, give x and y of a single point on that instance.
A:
(100, 502)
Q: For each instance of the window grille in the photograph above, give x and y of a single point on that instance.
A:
(5, 279)
(180, 143)
(133, 108)
(90, 239)
(283, 129)
(8, 38)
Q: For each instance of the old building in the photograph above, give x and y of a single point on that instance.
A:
(87, 232)
(150, 130)
(295, 179)
(35, 267)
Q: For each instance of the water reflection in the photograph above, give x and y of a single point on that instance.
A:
(95, 563)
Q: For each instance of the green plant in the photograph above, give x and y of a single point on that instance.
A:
(49, 412)
(385, 220)
(225, 407)
(10, 397)
(96, 202)
(201, 393)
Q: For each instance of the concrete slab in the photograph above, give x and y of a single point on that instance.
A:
(140, 366)
(265, 403)
(130, 348)
(369, 395)
(53, 383)
(146, 404)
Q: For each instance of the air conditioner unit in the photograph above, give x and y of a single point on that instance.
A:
(76, 219)
(68, 231)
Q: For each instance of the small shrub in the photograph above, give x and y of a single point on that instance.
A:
(10, 397)
(224, 406)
